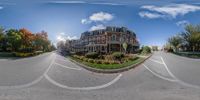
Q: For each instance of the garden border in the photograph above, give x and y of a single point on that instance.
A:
(109, 70)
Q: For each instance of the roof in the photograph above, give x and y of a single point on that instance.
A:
(107, 29)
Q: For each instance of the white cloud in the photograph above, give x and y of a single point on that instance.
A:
(173, 10)
(150, 15)
(60, 38)
(97, 27)
(101, 16)
(98, 17)
(85, 21)
(64, 37)
(182, 23)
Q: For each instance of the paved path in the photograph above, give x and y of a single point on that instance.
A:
(53, 77)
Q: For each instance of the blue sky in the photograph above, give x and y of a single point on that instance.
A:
(153, 21)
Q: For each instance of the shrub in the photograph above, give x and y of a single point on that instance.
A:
(105, 62)
(117, 62)
(126, 59)
(118, 55)
(133, 58)
(85, 59)
(21, 54)
(75, 56)
(91, 60)
(26, 50)
(108, 57)
(92, 55)
(146, 50)
(98, 61)
(79, 53)
(81, 57)
(101, 56)
(38, 52)
(111, 62)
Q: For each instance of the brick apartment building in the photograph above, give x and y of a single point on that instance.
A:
(108, 40)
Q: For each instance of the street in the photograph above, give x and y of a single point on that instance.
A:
(51, 76)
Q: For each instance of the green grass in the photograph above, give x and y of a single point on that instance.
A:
(110, 66)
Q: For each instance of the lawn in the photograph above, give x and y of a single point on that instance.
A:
(110, 66)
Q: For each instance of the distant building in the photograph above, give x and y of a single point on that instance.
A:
(106, 40)
(154, 48)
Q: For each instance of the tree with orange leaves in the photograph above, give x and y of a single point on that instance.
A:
(27, 37)
(41, 41)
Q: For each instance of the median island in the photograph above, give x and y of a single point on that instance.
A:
(116, 60)
(111, 63)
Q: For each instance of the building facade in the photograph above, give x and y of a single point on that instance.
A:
(108, 40)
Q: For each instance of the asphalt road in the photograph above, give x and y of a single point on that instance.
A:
(52, 77)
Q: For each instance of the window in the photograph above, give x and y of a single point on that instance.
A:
(102, 48)
(113, 38)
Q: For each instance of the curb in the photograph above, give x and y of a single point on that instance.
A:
(109, 70)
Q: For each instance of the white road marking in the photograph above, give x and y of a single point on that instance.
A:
(67, 67)
(156, 61)
(83, 88)
(160, 76)
(31, 83)
(172, 75)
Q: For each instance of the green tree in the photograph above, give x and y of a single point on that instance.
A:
(1, 33)
(41, 41)
(146, 50)
(175, 42)
(2, 36)
(14, 39)
(191, 36)
(27, 38)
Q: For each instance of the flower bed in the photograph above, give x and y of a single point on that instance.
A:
(109, 62)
